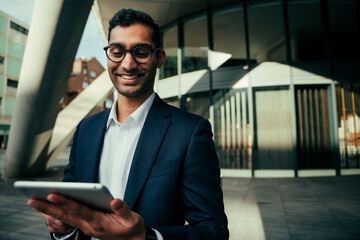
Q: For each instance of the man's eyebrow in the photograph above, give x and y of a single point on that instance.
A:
(116, 45)
(143, 45)
(136, 45)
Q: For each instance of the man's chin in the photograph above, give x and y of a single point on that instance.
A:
(134, 93)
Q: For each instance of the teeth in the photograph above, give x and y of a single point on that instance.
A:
(129, 76)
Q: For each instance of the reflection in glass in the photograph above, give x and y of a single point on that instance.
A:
(348, 111)
(170, 44)
(229, 35)
(344, 33)
(313, 127)
(231, 129)
(196, 45)
(305, 32)
(266, 31)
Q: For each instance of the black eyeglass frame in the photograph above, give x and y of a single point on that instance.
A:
(152, 50)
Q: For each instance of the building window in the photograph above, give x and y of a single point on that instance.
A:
(12, 83)
(1, 82)
(344, 30)
(2, 59)
(16, 50)
(230, 39)
(3, 44)
(18, 28)
(305, 32)
(85, 85)
(84, 71)
(9, 105)
(196, 48)
(11, 88)
(108, 103)
(93, 74)
(170, 42)
(266, 31)
(13, 68)
(3, 24)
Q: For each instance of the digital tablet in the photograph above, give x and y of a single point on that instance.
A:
(94, 195)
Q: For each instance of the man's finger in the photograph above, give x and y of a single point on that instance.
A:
(55, 225)
(120, 208)
(58, 207)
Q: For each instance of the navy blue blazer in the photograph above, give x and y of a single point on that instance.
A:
(174, 177)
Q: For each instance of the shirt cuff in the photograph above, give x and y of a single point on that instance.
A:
(65, 236)
(158, 235)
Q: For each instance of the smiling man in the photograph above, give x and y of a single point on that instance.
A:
(158, 162)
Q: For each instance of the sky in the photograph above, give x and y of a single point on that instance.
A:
(91, 44)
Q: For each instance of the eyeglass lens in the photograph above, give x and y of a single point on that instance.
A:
(140, 54)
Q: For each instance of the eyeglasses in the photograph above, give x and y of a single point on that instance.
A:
(141, 54)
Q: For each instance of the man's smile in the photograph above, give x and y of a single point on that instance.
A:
(128, 77)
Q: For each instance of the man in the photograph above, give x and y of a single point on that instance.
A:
(160, 160)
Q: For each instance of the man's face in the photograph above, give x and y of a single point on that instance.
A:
(130, 78)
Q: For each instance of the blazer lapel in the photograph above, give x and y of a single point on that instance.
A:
(153, 132)
(93, 151)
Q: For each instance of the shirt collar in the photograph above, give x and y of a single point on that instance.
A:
(139, 115)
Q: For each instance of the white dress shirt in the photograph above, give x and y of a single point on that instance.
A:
(120, 142)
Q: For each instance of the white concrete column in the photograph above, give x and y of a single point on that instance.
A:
(238, 120)
(233, 122)
(228, 124)
(54, 36)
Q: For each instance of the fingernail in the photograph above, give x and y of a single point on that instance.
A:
(118, 205)
(58, 222)
(33, 205)
(51, 199)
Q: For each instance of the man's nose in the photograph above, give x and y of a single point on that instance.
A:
(128, 62)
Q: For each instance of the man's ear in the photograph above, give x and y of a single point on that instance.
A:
(161, 58)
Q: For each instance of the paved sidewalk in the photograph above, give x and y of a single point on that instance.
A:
(295, 208)
(257, 208)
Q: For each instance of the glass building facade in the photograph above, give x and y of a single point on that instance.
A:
(278, 80)
(13, 35)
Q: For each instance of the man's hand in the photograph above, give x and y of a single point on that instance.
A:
(56, 226)
(63, 214)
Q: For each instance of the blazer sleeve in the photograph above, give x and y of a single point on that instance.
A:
(201, 191)
(69, 172)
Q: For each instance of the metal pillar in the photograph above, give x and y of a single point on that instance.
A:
(54, 36)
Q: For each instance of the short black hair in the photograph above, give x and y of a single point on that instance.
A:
(127, 17)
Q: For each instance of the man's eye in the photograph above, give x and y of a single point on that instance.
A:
(116, 52)
(142, 52)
